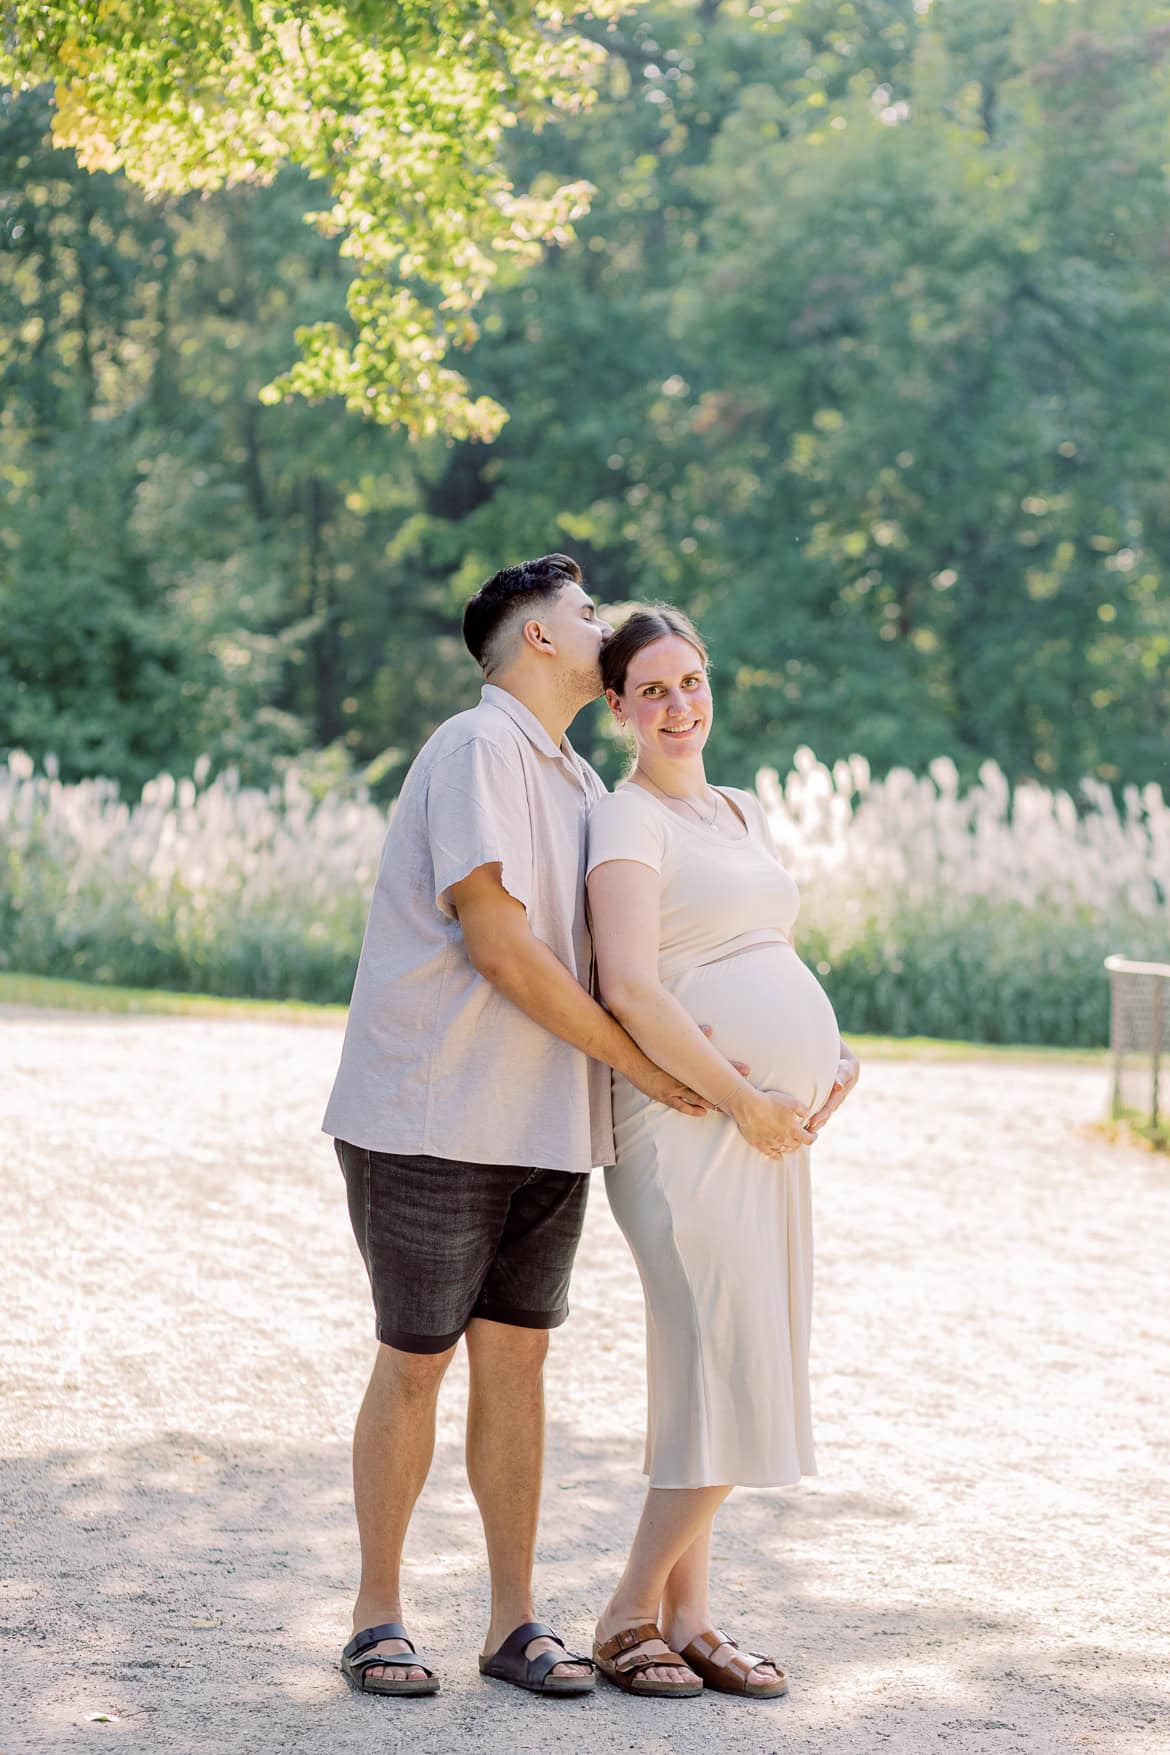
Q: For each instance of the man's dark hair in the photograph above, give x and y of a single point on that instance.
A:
(520, 588)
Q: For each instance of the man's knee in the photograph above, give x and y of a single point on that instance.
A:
(520, 1351)
(413, 1374)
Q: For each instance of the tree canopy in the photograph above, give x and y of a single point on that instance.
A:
(860, 355)
(397, 111)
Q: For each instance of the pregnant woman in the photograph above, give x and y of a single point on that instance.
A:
(692, 916)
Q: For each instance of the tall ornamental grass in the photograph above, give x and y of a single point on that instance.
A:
(207, 887)
(983, 914)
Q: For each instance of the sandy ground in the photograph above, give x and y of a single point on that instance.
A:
(981, 1565)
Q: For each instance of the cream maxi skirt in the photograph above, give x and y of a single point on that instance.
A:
(722, 1237)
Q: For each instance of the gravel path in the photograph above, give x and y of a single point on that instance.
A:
(981, 1565)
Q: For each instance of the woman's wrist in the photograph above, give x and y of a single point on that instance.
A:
(737, 1100)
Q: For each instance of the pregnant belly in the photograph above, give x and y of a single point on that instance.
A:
(766, 1008)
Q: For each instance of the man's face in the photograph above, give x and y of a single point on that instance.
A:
(577, 632)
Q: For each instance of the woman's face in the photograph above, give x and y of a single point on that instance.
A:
(666, 701)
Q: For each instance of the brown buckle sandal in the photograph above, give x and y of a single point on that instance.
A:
(622, 1664)
(734, 1676)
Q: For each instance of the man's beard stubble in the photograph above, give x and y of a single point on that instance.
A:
(579, 687)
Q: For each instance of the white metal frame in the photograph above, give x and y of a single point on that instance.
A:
(1159, 1025)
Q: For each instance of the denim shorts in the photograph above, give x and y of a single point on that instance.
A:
(444, 1241)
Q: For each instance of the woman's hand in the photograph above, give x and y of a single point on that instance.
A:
(768, 1120)
(848, 1072)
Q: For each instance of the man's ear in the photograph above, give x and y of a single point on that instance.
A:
(537, 635)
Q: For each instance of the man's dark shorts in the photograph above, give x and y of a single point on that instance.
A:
(445, 1241)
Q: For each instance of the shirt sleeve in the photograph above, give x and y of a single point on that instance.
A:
(621, 827)
(756, 815)
(477, 814)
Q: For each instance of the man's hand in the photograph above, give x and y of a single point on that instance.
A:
(848, 1073)
(664, 1088)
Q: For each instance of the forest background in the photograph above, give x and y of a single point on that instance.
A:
(860, 353)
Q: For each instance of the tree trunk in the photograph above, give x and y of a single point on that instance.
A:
(324, 645)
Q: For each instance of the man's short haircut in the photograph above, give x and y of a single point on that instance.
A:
(509, 596)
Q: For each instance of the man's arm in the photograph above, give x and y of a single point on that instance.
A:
(503, 948)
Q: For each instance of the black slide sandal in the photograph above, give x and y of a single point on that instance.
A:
(360, 1656)
(510, 1665)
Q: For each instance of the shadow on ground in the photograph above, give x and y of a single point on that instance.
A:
(198, 1594)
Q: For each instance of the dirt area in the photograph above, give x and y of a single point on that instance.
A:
(982, 1564)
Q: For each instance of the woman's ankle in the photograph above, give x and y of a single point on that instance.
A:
(618, 1614)
(682, 1621)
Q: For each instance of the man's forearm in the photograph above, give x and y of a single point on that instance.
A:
(526, 972)
(666, 1032)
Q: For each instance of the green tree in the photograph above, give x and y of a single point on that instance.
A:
(861, 357)
(397, 112)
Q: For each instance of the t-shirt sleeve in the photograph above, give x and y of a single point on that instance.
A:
(477, 814)
(757, 818)
(624, 828)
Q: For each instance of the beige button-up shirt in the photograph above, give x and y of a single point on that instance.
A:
(435, 1059)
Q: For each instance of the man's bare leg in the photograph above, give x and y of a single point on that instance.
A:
(505, 1462)
(393, 1443)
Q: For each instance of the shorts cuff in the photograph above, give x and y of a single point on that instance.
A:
(521, 1318)
(408, 1343)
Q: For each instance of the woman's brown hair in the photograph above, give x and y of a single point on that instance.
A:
(656, 622)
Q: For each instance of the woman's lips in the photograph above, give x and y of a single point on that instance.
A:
(680, 730)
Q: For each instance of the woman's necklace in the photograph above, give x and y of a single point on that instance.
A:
(680, 798)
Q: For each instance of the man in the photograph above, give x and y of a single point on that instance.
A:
(471, 1103)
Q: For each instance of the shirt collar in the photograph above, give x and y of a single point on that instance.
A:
(528, 722)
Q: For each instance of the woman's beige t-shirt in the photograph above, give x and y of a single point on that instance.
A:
(718, 896)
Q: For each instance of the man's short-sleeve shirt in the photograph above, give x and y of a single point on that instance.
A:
(436, 1060)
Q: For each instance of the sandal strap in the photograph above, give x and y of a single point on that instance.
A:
(709, 1641)
(513, 1646)
(741, 1655)
(628, 1638)
(406, 1660)
(368, 1636)
(634, 1663)
(748, 1662)
(741, 1663)
(544, 1661)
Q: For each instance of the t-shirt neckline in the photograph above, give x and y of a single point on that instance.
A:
(697, 827)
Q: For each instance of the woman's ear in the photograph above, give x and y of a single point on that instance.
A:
(615, 705)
